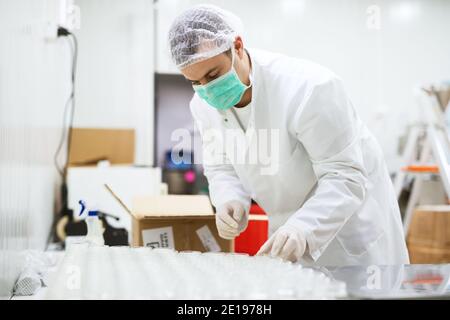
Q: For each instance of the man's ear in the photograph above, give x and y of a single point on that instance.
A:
(239, 47)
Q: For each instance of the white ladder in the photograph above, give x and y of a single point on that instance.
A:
(436, 144)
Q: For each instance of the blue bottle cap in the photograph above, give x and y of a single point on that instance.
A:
(93, 213)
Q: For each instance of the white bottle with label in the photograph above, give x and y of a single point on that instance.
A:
(94, 226)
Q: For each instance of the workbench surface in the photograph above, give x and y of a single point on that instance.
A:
(426, 281)
(414, 281)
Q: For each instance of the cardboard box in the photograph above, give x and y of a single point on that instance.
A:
(429, 235)
(428, 255)
(182, 222)
(88, 146)
(430, 227)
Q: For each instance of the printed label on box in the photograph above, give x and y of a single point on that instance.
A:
(158, 238)
(207, 239)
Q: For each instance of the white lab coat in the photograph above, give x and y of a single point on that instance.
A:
(332, 181)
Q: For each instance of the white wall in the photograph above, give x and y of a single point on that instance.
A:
(115, 69)
(380, 66)
(114, 89)
(34, 85)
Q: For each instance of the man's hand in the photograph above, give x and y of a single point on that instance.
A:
(231, 219)
(287, 242)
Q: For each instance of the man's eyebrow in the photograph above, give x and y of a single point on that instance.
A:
(211, 70)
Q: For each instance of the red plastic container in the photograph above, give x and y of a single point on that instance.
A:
(256, 233)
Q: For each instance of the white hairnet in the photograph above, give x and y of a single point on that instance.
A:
(202, 32)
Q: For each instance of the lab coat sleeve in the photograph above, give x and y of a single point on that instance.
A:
(328, 128)
(224, 184)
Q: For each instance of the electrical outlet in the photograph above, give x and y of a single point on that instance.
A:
(69, 15)
(65, 14)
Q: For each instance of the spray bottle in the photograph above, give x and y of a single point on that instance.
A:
(94, 226)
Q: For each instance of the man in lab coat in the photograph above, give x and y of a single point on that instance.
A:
(326, 187)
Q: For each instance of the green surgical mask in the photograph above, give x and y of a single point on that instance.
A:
(225, 91)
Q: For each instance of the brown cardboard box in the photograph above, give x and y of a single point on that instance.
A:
(427, 255)
(88, 146)
(429, 234)
(184, 222)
